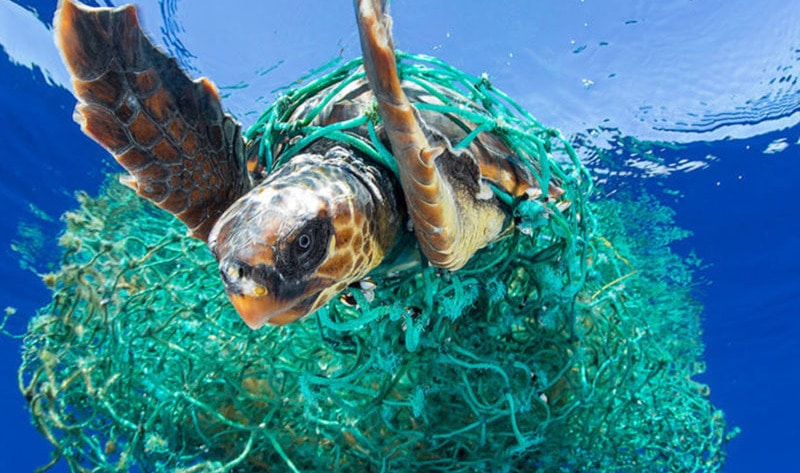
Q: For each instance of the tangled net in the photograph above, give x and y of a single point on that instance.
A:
(557, 349)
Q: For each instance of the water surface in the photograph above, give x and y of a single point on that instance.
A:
(697, 102)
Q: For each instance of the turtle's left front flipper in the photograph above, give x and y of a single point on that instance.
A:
(183, 152)
(451, 217)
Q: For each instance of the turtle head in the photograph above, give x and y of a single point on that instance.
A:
(295, 241)
(269, 247)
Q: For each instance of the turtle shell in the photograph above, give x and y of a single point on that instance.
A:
(479, 154)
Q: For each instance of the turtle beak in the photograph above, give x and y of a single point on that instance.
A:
(261, 296)
(257, 311)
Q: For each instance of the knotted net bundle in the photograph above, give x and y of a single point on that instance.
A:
(568, 346)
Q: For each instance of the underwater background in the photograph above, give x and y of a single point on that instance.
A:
(695, 102)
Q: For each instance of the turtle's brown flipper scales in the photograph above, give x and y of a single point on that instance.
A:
(440, 189)
(183, 152)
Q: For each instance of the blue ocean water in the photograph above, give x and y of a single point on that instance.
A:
(697, 102)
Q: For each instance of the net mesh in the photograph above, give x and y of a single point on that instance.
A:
(569, 346)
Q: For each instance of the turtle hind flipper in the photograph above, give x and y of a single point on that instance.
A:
(169, 132)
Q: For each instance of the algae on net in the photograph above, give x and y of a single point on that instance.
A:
(139, 360)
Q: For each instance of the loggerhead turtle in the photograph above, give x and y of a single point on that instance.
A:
(290, 241)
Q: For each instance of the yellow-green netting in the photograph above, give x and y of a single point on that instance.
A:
(568, 346)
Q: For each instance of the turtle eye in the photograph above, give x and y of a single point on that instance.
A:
(307, 250)
(304, 241)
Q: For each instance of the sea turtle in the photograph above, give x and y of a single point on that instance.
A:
(290, 241)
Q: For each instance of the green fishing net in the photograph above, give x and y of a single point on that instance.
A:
(570, 345)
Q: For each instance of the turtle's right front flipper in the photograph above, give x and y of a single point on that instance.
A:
(183, 152)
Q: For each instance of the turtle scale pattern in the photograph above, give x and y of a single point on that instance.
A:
(289, 242)
(170, 133)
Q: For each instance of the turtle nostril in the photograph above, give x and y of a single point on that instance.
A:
(234, 271)
(227, 274)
